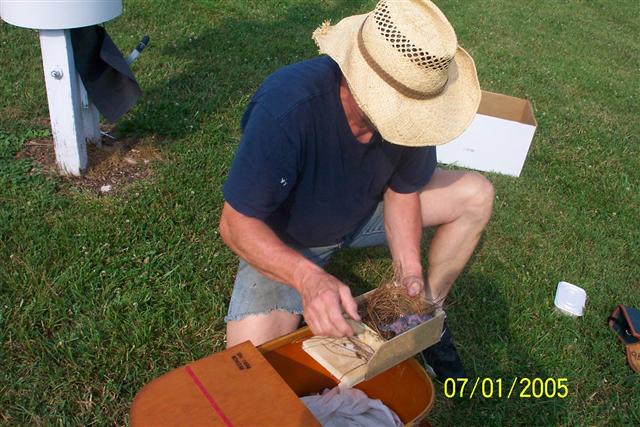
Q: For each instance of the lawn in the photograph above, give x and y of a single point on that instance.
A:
(99, 295)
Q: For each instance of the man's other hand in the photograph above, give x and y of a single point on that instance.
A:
(413, 284)
(323, 297)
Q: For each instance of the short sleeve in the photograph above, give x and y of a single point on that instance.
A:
(414, 170)
(265, 167)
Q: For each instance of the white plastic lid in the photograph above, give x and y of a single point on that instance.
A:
(58, 14)
(570, 299)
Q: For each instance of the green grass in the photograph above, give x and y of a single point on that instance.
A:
(100, 295)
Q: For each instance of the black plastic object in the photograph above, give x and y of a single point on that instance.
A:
(110, 84)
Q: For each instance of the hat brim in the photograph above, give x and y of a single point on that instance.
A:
(400, 119)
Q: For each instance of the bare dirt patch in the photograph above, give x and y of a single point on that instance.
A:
(113, 165)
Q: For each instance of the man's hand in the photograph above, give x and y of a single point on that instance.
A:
(413, 284)
(323, 297)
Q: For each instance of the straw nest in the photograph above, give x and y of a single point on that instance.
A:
(388, 303)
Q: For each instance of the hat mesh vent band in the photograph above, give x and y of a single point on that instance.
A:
(402, 44)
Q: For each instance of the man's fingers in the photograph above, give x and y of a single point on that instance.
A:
(310, 318)
(340, 326)
(324, 316)
(317, 319)
(414, 289)
(329, 328)
(349, 304)
(323, 302)
(413, 285)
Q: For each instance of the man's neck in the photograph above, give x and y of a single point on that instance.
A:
(360, 127)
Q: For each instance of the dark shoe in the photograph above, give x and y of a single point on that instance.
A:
(443, 358)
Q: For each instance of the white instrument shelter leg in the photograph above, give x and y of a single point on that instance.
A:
(63, 94)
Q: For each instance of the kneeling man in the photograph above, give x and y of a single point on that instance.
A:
(339, 151)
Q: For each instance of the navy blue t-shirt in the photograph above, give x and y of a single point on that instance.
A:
(300, 169)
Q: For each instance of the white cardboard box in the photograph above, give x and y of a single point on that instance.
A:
(498, 138)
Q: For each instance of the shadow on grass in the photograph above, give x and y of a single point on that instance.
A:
(223, 65)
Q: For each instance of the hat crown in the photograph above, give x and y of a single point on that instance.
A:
(413, 42)
(418, 30)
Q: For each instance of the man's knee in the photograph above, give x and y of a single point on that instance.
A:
(260, 328)
(479, 196)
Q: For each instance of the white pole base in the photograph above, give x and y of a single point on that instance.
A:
(71, 124)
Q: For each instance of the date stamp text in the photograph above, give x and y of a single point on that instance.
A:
(498, 388)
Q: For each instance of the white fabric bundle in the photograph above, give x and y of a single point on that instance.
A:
(349, 407)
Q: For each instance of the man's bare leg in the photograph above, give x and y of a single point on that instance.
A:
(260, 328)
(460, 203)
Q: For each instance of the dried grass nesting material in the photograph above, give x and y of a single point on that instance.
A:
(388, 303)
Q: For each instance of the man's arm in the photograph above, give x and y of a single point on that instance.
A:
(322, 294)
(403, 227)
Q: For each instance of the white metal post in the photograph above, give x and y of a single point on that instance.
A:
(63, 93)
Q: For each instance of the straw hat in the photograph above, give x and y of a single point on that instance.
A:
(405, 70)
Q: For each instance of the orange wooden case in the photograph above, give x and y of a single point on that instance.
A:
(248, 386)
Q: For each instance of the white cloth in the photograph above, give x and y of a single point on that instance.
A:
(349, 407)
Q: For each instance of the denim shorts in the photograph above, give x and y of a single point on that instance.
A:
(253, 293)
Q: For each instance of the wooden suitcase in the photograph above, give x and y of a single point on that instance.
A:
(249, 386)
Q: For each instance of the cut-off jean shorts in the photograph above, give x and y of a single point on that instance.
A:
(254, 293)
